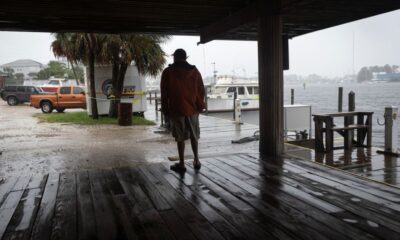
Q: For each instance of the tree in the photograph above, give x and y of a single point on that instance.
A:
(53, 69)
(364, 75)
(120, 50)
(80, 47)
(19, 77)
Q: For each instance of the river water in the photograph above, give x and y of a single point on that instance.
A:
(323, 98)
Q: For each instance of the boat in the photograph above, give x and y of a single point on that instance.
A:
(54, 83)
(220, 97)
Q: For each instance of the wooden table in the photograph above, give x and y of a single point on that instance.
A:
(324, 123)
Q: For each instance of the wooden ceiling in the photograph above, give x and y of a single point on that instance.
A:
(179, 17)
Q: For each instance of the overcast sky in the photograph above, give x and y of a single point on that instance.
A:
(328, 52)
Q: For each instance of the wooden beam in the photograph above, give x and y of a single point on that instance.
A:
(285, 45)
(270, 65)
(230, 23)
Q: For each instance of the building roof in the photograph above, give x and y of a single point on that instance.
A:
(23, 63)
(183, 17)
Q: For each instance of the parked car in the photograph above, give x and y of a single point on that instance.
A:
(63, 98)
(18, 94)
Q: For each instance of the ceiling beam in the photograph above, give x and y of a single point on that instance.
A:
(236, 20)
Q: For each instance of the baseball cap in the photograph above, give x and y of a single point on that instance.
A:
(180, 53)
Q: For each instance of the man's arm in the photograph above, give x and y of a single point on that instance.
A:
(200, 97)
(164, 93)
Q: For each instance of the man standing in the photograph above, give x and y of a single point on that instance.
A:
(182, 99)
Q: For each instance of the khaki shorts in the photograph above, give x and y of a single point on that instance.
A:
(184, 128)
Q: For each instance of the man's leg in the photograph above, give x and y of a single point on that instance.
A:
(195, 145)
(181, 152)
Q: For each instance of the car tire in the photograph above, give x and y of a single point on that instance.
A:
(60, 110)
(46, 107)
(12, 100)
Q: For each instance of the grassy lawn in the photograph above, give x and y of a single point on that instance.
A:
(83, 119)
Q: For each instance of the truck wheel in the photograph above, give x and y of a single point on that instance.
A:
(46, 107)
(12, 100)
(60, 110)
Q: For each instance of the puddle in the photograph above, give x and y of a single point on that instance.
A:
(348, 220)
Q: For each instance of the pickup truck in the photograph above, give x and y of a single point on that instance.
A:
(18, 94)
(63, 98)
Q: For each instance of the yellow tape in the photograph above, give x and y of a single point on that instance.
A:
(133, 93)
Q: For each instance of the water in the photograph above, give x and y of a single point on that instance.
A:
(323, 98)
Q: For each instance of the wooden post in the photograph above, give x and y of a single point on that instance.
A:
(150, 97)
(350, 120)
(340, 100)
(206, 98)
(270, 65)
(352, 101)
(234, 104)
(292, 96)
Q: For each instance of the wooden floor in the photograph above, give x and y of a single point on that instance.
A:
(365, 162)
(231, 197)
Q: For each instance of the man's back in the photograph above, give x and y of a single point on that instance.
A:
(182, 90)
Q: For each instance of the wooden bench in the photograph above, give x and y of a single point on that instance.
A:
(324, 124)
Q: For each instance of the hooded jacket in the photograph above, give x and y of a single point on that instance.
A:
(182, 90)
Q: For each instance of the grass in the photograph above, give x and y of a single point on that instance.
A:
(83, 118)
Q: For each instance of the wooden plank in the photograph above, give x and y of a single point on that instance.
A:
(85, 210)
(142, 208)
(380, 214)
(5, 187)
(276, 216)
(198, 181)
(65, 216)
(107, 224)
(352, 232)
(229, 23)
(379, 192)
(43, 222)
(197, 223)
(209, 204)
(11, 202)
(176, 225)
(21, 223)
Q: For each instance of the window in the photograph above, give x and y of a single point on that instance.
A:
(32, 90)
(241, 91)
(231, 90)
(11, 89)
(65, 90)
(250, 90)
(256, 90)
(20, 89)
(54, 82)
(78, 90)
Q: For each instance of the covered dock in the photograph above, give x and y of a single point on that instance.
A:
(258, 194)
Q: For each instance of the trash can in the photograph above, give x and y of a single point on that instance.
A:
(125, 114)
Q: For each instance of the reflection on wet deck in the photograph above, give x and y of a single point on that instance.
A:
(232, 197)
(364, 162)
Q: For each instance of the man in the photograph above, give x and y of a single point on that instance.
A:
(182, 99)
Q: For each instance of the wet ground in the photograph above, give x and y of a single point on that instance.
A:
(32, 147)
(29, 146)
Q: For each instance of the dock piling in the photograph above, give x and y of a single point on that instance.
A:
(292, 96)
(340, 99)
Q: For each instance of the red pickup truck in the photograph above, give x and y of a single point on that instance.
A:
(63, 98)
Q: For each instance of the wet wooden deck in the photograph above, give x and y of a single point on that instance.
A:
(232, 197)
(365, 162)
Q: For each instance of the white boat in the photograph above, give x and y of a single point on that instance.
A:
(220, 97)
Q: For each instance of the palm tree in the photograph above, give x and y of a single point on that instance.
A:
(120, 50)
(80, 47)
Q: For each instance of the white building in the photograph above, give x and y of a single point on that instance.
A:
(24, 66)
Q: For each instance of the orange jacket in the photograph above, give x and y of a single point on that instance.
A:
(182, 90)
